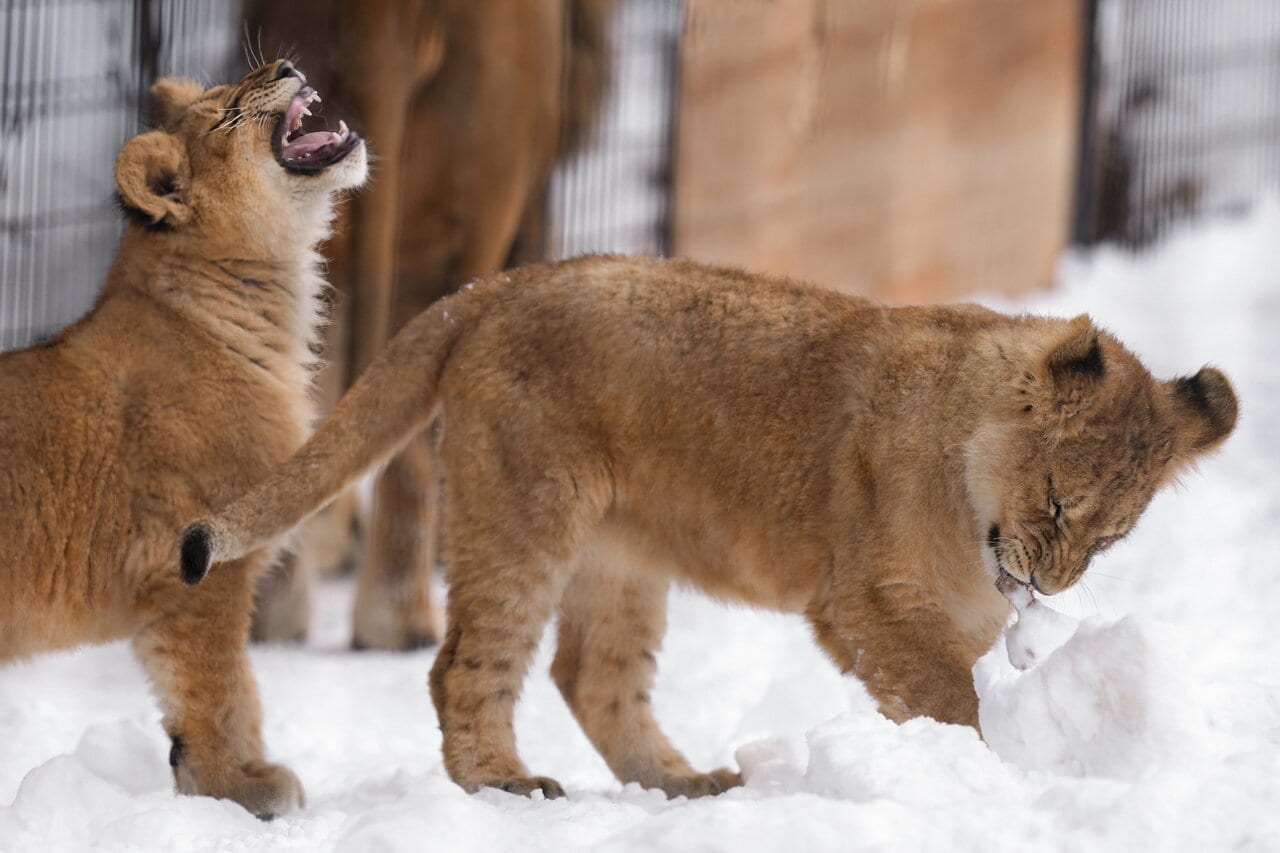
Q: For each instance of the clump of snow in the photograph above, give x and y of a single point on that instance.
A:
(773, 764)
(1112, 701)
(1036, 633)
(1038, 629)
(127, 754)
(114, 792)
(865, 757)
(1107, 699)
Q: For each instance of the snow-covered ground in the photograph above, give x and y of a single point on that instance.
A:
(1156, 727)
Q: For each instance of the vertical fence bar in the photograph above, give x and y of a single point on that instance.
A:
(74, 76)
(613, 195)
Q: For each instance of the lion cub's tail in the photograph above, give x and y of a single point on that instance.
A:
(391, 401)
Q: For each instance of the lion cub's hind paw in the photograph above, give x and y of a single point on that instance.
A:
(526, 785)
(701, 784)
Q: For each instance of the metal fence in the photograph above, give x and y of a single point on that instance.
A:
(1181, 113)
(614, 195)
(1181, 116)
(75, 77)
(73, 81)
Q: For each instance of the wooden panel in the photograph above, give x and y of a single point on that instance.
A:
(909, 150)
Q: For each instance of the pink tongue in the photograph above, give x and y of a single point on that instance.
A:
(308, 143)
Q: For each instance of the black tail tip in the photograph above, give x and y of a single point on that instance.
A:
(196, 548)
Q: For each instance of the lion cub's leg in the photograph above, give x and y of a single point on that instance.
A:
(193, 646)
(527, 496)
(909, 659)
(393, 607)
(499, 602)
(611, 624)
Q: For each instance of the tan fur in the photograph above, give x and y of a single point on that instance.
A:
(612, 426)
(185, 384)
(467, 105)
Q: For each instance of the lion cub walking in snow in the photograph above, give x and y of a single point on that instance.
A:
(615, 425)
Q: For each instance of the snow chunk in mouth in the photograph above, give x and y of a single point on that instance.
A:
(1039, 630)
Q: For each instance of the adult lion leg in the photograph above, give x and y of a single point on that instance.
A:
(393, 608)
(611, 625)
(283, 610)
(910, 659)
(193, 646)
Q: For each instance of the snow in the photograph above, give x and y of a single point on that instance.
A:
(1155, 725)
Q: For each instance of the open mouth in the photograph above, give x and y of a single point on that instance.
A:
(310, 152)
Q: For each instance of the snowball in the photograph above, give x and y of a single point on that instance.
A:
(1112, 701)
(127, 754)
(772, 764)
(1039, 630)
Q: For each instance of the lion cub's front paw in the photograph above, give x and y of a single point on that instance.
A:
(701, 784)
(266, 790)
(526, 785)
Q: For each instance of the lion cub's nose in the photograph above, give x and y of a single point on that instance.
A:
(286, 69)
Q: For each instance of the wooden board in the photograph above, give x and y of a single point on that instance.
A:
(912, 151)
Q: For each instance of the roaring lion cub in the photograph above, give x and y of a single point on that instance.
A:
(614, 425)
(184, 385)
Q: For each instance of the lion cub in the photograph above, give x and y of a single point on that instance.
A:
(612, 426)
(184, 385)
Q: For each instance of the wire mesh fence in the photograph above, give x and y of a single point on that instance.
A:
(1181, 117)
(614, 195)
(1182, 113)
(73, 81)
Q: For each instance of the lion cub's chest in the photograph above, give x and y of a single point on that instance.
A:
(976, 608)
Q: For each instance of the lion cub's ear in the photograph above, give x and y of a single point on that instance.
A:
(1072, 364)
(1075, 355)
(170, 96)
(152, 176)
(1205, 410)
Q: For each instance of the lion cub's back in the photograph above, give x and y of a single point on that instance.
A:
(676, 317)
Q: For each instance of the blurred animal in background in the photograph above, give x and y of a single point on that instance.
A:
(467, 106)
(196, 358)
